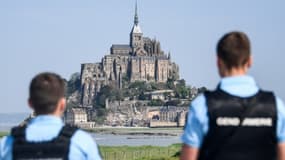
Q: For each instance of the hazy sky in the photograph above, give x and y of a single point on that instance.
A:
(59, 35)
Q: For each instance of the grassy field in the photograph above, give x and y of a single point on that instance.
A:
(3, 134)
(140, 152)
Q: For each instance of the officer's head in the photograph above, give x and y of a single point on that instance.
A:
(47, 94)
(233, 51)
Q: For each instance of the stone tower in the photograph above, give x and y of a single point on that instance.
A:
(136, 37)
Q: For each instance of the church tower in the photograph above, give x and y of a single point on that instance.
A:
(136, 36)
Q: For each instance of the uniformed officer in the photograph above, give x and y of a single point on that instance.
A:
(238, 120)
(46, 136)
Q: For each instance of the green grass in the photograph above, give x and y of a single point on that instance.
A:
(140, 152)
(2, 134)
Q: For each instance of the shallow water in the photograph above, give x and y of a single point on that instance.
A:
(134, 140)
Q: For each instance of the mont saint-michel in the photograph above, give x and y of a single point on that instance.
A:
(136, 84)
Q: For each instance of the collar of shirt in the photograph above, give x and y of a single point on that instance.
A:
(43, 128)
(242, 86)
(46, 119)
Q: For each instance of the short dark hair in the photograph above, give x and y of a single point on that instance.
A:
(234, 49)
(46, 89)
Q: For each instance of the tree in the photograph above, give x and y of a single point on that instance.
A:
(73, 84)
(182, 92)
(175, 102)
(142, 96)
(111, 92)
(156, 102)
(170, 83)
(158, 86)
(101, 114)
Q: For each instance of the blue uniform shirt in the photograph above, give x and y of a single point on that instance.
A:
(45, 128)
(198, 121)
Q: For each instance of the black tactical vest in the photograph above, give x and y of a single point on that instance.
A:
(55, 149)
(240, 128)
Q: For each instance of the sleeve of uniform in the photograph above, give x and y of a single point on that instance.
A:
(280, 120)
(6, 148)
(83, 146)
(197, 123)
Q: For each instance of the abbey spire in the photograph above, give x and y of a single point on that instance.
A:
(136, 19)
(136, 35)
(136, 28)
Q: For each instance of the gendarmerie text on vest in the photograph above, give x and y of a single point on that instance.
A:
(253, 122)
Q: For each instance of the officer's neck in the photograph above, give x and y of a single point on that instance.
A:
(224, 71)
(234, 72)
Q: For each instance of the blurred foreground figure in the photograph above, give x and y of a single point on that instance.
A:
(238, 120)
(45, 136)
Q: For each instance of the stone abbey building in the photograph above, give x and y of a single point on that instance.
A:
(140, 60)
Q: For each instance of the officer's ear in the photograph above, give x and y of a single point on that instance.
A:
(249, 62)
(61, 105)
(220, 63)
(30, 103)
(221, 67)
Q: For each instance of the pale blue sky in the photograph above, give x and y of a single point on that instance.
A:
(59, 35)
